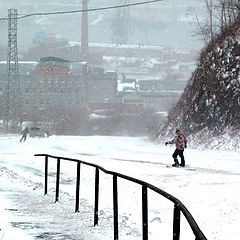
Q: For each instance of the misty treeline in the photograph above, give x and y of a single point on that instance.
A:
(220, 14)
(115, 122)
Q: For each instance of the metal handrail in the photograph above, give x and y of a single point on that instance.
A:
(178, 206)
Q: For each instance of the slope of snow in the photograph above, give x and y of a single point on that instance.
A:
(209, 189)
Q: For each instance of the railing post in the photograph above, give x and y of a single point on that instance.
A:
(96, 197)
(57, 180)
(77, 187)
(115, 206)
(176, 223)
(144, 213)
(46, 175)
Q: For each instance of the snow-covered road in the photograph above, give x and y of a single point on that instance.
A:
(208, 188)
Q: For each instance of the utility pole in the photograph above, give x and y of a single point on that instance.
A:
(12, 98)
(84, 37)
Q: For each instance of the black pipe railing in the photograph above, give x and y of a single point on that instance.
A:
(177, 210)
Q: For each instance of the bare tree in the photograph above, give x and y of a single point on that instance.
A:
(203, 30)
(209, 6)
(220, 14)
(226, 12)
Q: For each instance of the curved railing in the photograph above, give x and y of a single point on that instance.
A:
(178, 206)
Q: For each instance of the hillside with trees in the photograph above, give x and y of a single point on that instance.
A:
(209, 109)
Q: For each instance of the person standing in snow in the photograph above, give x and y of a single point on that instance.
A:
(24, 134)
(181, 143)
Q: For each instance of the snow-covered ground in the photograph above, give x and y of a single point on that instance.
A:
(209, 188)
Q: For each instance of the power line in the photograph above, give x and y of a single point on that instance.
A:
(84, 10)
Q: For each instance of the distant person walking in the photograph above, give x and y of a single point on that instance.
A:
(181, 143)
(24, 134)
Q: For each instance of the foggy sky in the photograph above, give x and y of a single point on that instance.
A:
(162, 23)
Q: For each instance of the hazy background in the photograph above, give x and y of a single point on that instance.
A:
(164, 23)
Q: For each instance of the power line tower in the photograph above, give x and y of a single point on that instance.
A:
(120, 24)
(12, 98)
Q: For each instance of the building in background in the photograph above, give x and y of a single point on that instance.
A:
(102, 88)
(56, 84)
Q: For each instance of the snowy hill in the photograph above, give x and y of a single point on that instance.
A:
(210, 104)
(208, 189)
